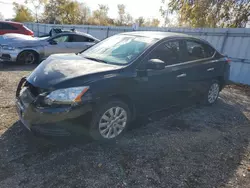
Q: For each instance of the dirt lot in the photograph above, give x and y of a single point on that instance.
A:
(195, 146)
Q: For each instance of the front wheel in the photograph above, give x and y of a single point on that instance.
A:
(27, 58)
(212, 93)
(110, 120)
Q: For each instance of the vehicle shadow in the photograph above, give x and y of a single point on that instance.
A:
(16, 67)
(193, 147)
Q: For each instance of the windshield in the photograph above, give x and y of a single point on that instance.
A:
(118, 49)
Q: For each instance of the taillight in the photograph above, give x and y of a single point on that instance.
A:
(30, 33)
(27, 31)
(227, 60)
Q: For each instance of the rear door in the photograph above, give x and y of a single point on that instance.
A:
(205, 64)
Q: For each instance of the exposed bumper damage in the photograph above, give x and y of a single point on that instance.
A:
(52, 121)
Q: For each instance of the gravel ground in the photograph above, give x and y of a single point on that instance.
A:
(192, 147)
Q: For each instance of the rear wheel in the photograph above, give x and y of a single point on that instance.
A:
(110, 120)
(212, 93)
(27, 58)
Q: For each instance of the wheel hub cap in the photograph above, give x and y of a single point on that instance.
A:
(113, 122)
(213, 93)
(29, 59)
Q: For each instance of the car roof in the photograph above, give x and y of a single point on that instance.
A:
(76, 33)
(157, 34)
(10, 22)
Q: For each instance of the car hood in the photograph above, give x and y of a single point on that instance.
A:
(59, 70)
(18, 40)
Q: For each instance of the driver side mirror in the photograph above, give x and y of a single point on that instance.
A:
(52, 42)
(156, 64)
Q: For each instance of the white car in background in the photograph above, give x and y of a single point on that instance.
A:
(28, 50)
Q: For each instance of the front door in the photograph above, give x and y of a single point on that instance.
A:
(160, 89)
(57, 45)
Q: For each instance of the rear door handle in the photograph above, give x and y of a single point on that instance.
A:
(210, 69)
(181, 75)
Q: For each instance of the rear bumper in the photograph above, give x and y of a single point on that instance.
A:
(227, 75)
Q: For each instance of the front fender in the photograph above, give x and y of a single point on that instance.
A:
(39, 50)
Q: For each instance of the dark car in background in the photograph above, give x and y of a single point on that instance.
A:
(118, 79)
(14, 27)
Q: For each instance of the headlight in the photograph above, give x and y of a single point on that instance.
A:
(8, 48)
(66, 96)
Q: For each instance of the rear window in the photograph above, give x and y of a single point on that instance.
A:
(26, 27)
(6, 26)
(79, 38)
(197, 50)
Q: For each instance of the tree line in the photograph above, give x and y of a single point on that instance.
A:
(74, 12)
(188, 13)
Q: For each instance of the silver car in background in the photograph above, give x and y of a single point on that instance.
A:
(28, 50)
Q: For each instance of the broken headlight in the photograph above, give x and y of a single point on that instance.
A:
(66, 96)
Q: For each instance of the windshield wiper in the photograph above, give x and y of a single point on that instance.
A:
(95, 59)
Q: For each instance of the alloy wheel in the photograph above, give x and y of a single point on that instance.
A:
(213, 92)
(113, 122)
(29, 58)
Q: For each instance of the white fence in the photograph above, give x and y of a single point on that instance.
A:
(234, 42)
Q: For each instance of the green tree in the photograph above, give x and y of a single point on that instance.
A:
(84, 14)
(128, 20)
(22, 14)
(140, 21)
(121, 14)
(100, 16)
(124, 18)
(152, 22)
(66, 12)
(208, 13)
(71, 13)
(37, 5)
(53, 11)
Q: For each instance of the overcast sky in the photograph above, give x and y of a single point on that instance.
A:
(146, 8)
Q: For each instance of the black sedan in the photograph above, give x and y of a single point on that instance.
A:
(118, 79)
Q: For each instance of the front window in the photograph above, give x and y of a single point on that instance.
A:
(118, 49)
(169, 52)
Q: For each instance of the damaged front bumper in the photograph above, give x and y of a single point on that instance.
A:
(50, 121)
(8, 56)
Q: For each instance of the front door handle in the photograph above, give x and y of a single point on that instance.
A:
(181, 75)
(210, 69)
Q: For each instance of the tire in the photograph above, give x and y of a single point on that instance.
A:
(27, 58)
(212, 93)
(106, 127)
